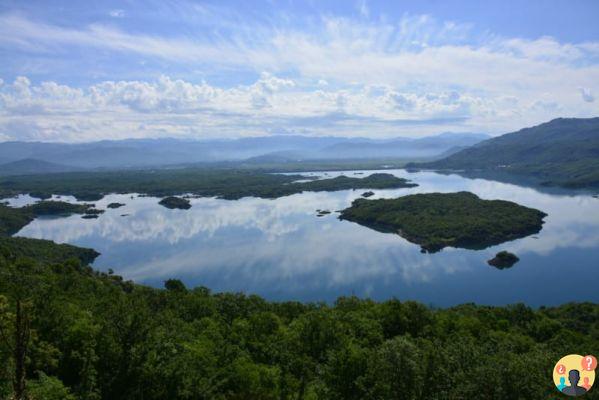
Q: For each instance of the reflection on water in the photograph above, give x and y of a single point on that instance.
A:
(281, 250)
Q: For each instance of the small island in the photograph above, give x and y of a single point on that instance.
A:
(173, 202)
(56, 208)
(115, 205)
(342, 182)
(92, 213)
(322, 213)
(503, 259)
(438, 220)
(368, 194)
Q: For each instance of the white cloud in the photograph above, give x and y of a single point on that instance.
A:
(174, 107)
(411, 76)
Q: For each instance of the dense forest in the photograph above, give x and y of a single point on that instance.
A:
(69, 332)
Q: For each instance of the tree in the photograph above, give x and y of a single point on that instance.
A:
(19, 282)
(175, 285)
(48, 388)
(394, 371)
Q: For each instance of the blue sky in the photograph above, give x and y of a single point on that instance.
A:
(81, 71)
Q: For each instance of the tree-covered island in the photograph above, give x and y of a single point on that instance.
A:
(503, 259)
(438, 220)
(173, 202)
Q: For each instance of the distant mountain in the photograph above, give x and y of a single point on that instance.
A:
(30, 166)
(429, 146)
(159, 152)
(276, 157)
(561, 152)
(155, 152)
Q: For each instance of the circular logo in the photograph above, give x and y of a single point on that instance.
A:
(574, 375)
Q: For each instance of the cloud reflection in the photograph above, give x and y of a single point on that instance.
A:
(280, 246)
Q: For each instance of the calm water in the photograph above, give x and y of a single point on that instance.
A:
(281, 250)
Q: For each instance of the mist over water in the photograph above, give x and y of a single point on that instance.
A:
(281, 250)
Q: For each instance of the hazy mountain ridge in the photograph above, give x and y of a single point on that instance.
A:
(404, 147)
(563, 151)
(32, 166)
(160, 152)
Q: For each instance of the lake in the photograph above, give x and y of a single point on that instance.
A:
(281, 250)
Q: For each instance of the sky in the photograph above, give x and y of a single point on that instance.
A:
(85, 71)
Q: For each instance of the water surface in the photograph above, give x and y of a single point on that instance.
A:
(281, 250)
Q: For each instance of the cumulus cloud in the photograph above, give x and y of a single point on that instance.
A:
(175, 107)
(338, 75)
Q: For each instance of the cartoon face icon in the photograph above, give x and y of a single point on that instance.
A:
(574, 375)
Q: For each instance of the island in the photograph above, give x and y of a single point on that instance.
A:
(503, 259)
(368, 194)
(173, 202)
(438, 220)
(322, 213)
(115, 205)
(12, 219)
(93, 211)
(373, 181)
(56, 208)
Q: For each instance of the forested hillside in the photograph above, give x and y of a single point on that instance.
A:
(563, 152)
(69, 332)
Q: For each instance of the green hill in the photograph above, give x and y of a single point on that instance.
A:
(561, 152)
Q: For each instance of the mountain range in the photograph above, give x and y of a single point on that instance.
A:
(561, 152)
(34, 157)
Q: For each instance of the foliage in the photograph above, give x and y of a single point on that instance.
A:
(437, 220)
(56, 208)
(95, 336)
(12, 220)
(48, 388)
(45, 251)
